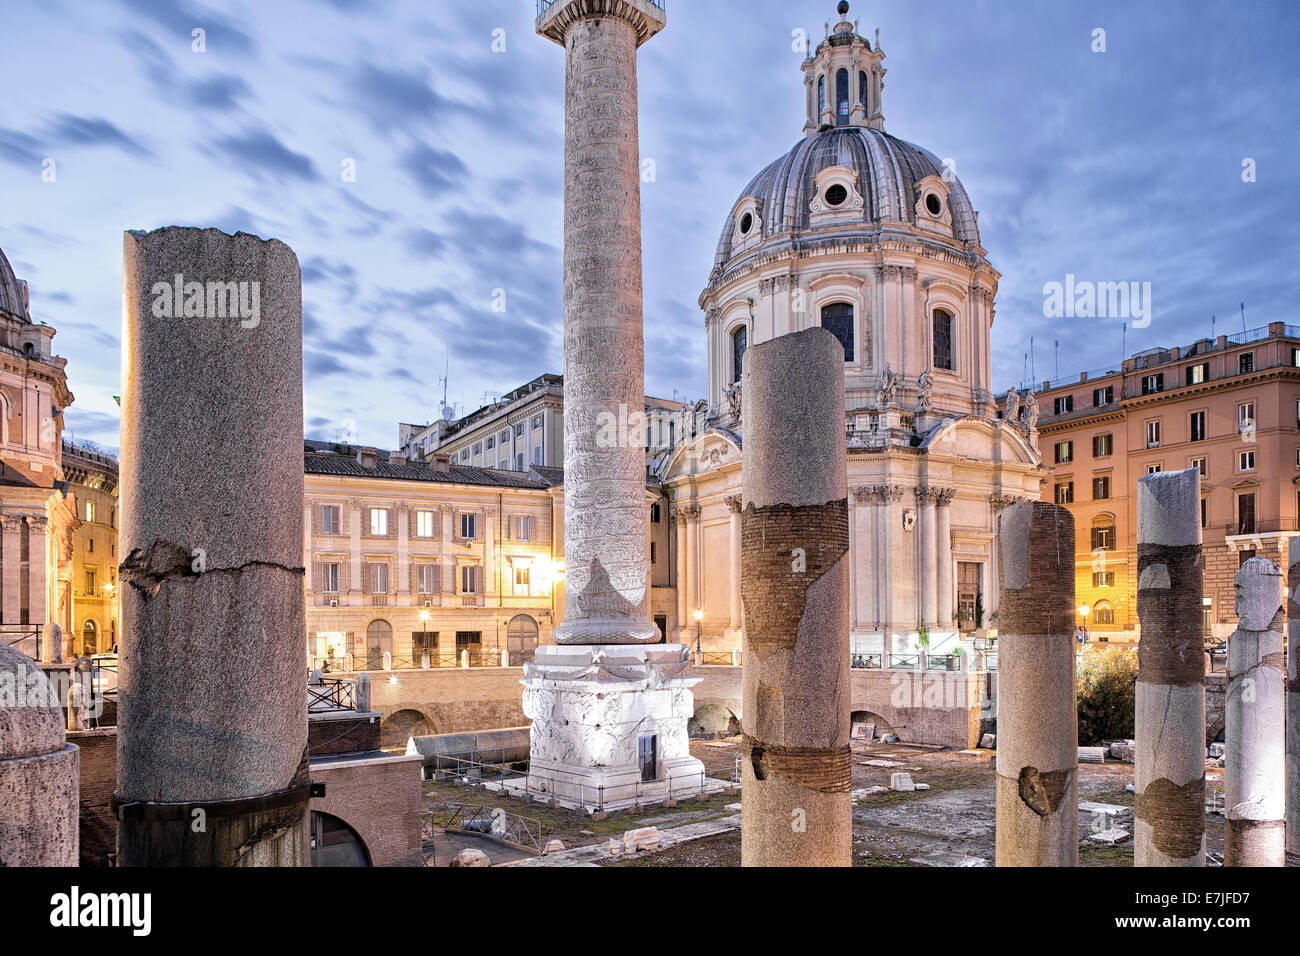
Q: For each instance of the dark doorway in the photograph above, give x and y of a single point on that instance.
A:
(379, 638)
(661, 622)
(647, 751)
(334, 843)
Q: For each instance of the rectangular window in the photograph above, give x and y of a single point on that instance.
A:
(1153, 383)
(1246, 362)
(537, 454)
(464, 455)
(1246, 417)
(653, 557)
(1245, 461)
(1064, 451)
(90, 583)
(1153, 434)
(1204, 513)
(1198, 426)
(490, 443)
(1196, 374)
(655, 515)
(519, 430)
(523, 528)
(1063, 405)
(1103, 539)
(378, 579)
(1103, 396)
(1200, 465)
(521, 577)
(1103, 445)
(329, 520)
(504, 438)
(467, 528)
(330, 578)
(90, 511)
(1103, 579)
(426, 523)
(519, 461)
(478, 448)
(1101, 488)
(379, 522)
(470, 574)
(537, 422)
(1244, 556)
(1065, 493)
(1154, 469)
(427, 580)
(1246, 513)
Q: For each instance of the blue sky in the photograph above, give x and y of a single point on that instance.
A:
(1117, 166)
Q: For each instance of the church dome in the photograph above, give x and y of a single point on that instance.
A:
(887, 172)
(13, 294)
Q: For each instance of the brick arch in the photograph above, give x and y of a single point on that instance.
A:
(413, 707)
(364, 826)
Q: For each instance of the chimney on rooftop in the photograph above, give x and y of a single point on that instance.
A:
(368, 457)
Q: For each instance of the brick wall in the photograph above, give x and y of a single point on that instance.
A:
(340, 735)
(380, 799)
(98, 825)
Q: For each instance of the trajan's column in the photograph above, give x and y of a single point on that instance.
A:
(609, 704)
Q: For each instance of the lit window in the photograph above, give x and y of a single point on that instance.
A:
(379, 522)
(469, 578)
(90, 511)
(378, 579)
(523, 528)
(425, 522)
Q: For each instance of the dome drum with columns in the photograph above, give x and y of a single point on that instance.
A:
(877, 240)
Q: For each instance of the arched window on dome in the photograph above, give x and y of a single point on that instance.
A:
(821, 98)
(838, 318)
(842, 98)
(943, 340)
(863, 94)
(739, 343)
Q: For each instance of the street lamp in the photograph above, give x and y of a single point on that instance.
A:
(699, 619)
(1084, 610)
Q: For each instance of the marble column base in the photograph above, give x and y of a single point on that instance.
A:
(591, 704)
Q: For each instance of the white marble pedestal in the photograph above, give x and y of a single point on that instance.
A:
(591, 707)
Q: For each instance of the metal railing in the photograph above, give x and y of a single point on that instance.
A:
(523, 833)
(330, 694)
(717, 658)
(867, 661)
(13, 635)
(943, 662)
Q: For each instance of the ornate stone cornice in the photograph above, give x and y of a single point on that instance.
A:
(943, 496)
(1000, 501)
(687, 513)
(863, 493)
(556, 20)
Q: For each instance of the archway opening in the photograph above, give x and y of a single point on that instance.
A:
(521, 639)
(865, 725)
(397, 728)
(334, 843)
(712, 720)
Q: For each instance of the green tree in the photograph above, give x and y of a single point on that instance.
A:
(1107, 679)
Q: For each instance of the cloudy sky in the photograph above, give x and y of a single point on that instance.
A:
(1123, 165)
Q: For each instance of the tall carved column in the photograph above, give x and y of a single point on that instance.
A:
(680, 532)
(926, 572)
(11, 578)
(943, 548)
(891, 521)
(734, 508)
(862, 586)
(1169, 765)
(690, 527)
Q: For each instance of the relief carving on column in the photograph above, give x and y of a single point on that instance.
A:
(734, 504)
(864, 493)
(943, 496)
(687, 513)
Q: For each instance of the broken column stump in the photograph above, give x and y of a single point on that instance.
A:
(1255, 763)
(1038, 727)
(1169, 764)
(212, 725)
(1293, 704)
(794, 585)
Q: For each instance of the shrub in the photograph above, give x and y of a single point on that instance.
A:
(1107, 679)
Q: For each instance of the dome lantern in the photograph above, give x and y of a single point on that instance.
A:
(844, 78)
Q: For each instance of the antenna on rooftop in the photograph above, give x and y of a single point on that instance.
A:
(448, 413)
(1243, 317)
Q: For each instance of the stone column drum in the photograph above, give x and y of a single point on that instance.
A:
(212, 725)
(1169, 827)
(1037, 782)
(1255, 710)
(1293, 704)
(605, 511)
(794, 586)
(39, 769)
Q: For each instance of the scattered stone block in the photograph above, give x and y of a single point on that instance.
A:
(1218, 750)
(889, 739)
(1092, 755)
(989, 742)
(1121, 750)
(901, 782)
(922, 786)
(553, 846)
(615, 846)
(471, 858)
(645, 838)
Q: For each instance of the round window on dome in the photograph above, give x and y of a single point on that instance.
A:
(836, 195)
(933, 204)
(746, 223)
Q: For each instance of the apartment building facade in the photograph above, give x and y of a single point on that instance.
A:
(1227, 406)
(416, 559)
(95, 600)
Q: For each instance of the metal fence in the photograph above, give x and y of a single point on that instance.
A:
(523, 833)
(331, 694)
